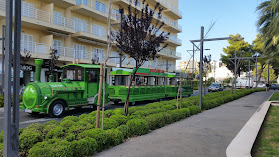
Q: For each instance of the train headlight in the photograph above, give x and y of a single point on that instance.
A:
(45, 97)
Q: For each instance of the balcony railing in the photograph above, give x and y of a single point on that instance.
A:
(175, 10)
(95, 29)
(175, 39)
(34, 47)
(96, 5)
(63, 21)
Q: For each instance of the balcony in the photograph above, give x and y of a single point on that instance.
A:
(40, 19)
(174, 41)
(170, 54)
(62, 3)
(91, 32)
(91, 8)
(173, 26)
(173, 12)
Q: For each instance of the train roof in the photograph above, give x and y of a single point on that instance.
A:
(88, 66)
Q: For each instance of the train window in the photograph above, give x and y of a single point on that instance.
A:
(74, 74)
(92, 76)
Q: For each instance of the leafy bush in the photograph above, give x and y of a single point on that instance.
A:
(115, 137)
(80, 127)
(120, 119)
(108, 123)
(1, 150)
(36, 127)
(67, 123)
(57, 132)
(194, 109)
(131, 110)
(108, 113)
(88, 119)
(168, 107)
(82, 116)
(99, 135)
(167, 117)
(2, 137)
(70, 137)
(84, 147)
(28, 139)
(72, 118)
(155, 121)
(142, 113)
(55, 147)
(124, 129)
(138, 126)
(154, 105)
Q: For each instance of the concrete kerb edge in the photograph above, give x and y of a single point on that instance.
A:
(1, 109)
(243, 143)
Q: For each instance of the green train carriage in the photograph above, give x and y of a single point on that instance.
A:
(81, 83)
(78, 88)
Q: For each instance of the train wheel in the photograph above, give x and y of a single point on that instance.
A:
(34, 113)
(56, 109)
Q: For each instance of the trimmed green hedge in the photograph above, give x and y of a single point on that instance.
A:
(77, 136)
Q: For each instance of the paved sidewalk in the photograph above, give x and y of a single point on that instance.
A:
(204, 135)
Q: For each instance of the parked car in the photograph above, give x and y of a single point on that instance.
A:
(274, 86)
(260, 85)
(214, 87)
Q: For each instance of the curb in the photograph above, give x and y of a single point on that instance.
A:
(242, 144)
(1, 109)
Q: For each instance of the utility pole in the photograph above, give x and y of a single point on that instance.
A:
(268, 74)
(249, 74)
(256, 70)
(193, 68)
(121, 11)
(3, 58)
(201, 66)
(235, 72)
(11, 119)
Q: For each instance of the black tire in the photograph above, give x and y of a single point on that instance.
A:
(56, 111)
(116, 102)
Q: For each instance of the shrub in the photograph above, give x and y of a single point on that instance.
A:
(36, 127)
(67, 123)
(84, 147)
(20, 130)
(72, 118)
(119, 111)
(175, 115)
(168, 107)
(52, 122)
(157, 110)
(194, 109)
(80, 127)
(108, 123)
(88, 119)
(28, 139)
(53, 148)
(138, 126)
(115, 137)
(1, 150)
(82, 116)
(48, 127)
(99, 135)
(108, 113)
(124, 129)
(154, 105)
(2, 137)
(134, 117)
(155, 121)
(70, 137)
(57, 132)
(131, 110)
(120, 119)
(167, 117)
(142, 113)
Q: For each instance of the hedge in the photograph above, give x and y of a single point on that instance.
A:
(77, 136)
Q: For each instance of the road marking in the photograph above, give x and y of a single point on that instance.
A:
(38, 120)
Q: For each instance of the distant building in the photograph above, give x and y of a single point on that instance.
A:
(189, 65)
(219, 71)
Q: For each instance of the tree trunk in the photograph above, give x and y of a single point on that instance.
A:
(204, 89)
(99, 96)
(261, 72)
(126, 106)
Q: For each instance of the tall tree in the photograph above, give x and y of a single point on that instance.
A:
(140, 38)
(264, 72)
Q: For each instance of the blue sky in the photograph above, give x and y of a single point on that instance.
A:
(231, 16)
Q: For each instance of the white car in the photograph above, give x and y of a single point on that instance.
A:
(260, 85)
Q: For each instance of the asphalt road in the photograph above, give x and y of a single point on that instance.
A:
(25, 119)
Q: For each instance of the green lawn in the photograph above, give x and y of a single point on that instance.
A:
(274, 97)
(267, 142)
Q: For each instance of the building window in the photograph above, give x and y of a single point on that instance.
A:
(57, 18)
(155, 63)
(26, 42)
(172, 23)
(92, 76)
(116, 14)
(57, 45)
(100, 6)
(80, 25)
(116, 58)
(80, 51)
(100, 53)
(99, 30)
(84, 2)
(27, 9)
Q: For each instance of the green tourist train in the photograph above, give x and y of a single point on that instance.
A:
(81, 82)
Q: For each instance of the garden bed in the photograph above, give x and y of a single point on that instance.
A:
(77, 136)
(267, 142)
(274, 97)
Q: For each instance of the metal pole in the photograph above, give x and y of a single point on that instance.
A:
(121, 11)
(235, 72)
(256, 71)
(268, 74)
(3, 57)
(16, 79)
(201, 67)
(193, 68)
(249, 75)
(7, 148)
